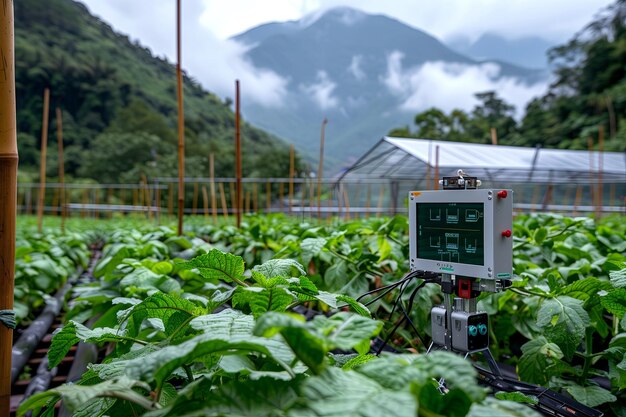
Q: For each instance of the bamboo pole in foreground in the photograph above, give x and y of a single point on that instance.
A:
(61, 166)
(8, 198)
(181, 126)
(42, 164)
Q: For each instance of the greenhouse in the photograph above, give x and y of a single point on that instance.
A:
(556, 179)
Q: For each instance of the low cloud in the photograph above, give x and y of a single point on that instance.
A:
(216, 63)
(321, 92)
(355, 67)
(452, 85)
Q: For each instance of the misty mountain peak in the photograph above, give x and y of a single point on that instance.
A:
(343, 14)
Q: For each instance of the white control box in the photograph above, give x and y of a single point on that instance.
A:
(467, 233)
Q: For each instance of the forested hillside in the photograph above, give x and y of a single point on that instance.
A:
(587, 95)
(119, 104)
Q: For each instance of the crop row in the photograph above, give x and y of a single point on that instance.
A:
(190, 330)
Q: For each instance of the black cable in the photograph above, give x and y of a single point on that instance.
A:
(390, 287)
(405, 316)
(403, 288)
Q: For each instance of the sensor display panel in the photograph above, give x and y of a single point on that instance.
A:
(451, 232)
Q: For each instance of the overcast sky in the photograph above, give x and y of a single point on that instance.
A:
(207, 24)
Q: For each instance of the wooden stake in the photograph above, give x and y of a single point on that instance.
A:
(170, 200)
(292, 170)
(268, 197)
(205, 201)
(494, 136)
(436, 180)
(181, 126)
(8, 197)
(320, 169)
(42, 164)
(223, 199)
(600, 169)
(238, 154)
(61, 166)
(212, 187)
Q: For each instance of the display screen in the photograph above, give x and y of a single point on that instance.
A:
(451, 232)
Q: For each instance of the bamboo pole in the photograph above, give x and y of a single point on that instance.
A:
(268, 196)
(255, 198)
(292, 169)
(212, 188)
(8, 198)
(181, 126)
(205, 201)
(59, 115)
(494, 136)
(223, 199)
(600, 193)
(436, 181)
(320, 170)
(238, 153)
(42, 164)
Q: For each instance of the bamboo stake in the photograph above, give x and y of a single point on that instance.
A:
(223, 199)
(292, 169)
(61, 166)
(205, 200)
(381, 195)
(212, 187)
(347, 203)
(268, 196)
(255, 198)
(8, 198)
(181, 126)
(494, 136)
(238, 154)
(320, 170)
(579, 194)
(436, 181)
(233, 197)
(600, 168)
(367, 202)
(42, 164)
(170, 200)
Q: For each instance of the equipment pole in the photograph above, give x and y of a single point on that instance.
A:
(8, 199)
(181, 126)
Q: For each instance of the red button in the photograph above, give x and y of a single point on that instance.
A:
(502, 194)
(507, 233)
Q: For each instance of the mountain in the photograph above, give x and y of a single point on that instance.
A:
(529, 52)
(354, 69)
(119, 104)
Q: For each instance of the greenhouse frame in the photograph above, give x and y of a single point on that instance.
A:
(555, 179)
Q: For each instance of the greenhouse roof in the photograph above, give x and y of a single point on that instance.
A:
(410, 159)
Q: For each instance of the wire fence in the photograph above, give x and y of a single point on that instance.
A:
(314, 197)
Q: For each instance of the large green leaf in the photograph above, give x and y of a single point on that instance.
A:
(74, 332)
(280, 268)
(591, 396)
(337, 393)
(261, 300)
(311, 247)
(618, 278)
(615, 302)
(225, 324)
(493, 407)
(217, 265)
(75, 396)
(159, 365)
(564, 309)
(537, 355)
(164, 307)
